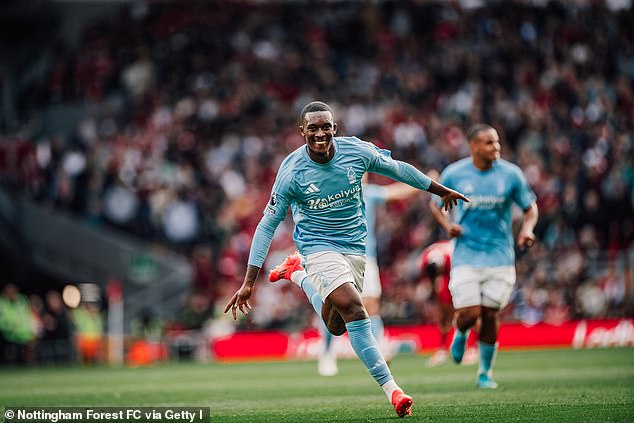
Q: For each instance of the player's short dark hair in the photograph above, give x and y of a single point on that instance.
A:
(474, 130)
(315, 106)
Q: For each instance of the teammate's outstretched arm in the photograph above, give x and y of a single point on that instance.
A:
(410, 175)
(449, 196)
(399, 191)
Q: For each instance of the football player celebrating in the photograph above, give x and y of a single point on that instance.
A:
(321, 182)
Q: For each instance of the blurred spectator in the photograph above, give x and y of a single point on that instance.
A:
(89, 332)
(189, 336)
(146, 343)
(37, 315)
(18, 327)
(56, 343)
(197, 313)
(612, 283)
(204, 272)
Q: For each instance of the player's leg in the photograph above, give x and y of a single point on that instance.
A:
(348, 302)
(332, 318)
(472, 353)
(341, 282)
(292, 269)
(490, 324)
(372, 301)
(327, 361)
(372, 306)
(465, 292)
(445, 318)
(496, 292)
(466, 318)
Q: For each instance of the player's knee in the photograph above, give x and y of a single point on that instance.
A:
(372, 305)
(469, 316)
(348, 303)
(337, 328)
(489, 314)
(333, 320)
(352, 310)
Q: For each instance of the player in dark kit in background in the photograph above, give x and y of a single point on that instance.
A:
(434, 263)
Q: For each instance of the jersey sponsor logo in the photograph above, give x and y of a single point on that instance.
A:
(335, 200)
(311, 189)
(484, 202)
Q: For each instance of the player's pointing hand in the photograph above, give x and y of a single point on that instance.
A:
(240, 300)
(450, 199)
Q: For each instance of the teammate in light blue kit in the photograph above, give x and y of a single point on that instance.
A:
(483, 262)
(373, 196)
(321, 182)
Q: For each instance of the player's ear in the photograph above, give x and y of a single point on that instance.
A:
(301, 130)
(334, 128)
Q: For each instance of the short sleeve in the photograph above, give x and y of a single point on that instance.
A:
(523, 195)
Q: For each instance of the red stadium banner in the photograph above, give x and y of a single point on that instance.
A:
(426, 338)
(252, 345)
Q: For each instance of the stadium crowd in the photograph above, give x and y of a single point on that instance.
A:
(199, 106)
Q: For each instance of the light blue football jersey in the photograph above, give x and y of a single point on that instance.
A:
(373, 196)
(487, 238)
(326, 200)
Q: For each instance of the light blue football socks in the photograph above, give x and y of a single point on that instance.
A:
(485, 370)
(312, 294)
(367, 349)
(361, 338)
(458, 345)
(377, 328)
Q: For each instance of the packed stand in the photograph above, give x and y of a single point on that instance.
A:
(200, 106)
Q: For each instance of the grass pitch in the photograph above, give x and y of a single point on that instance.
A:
(535, 386)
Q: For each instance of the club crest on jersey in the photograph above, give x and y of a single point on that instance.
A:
(352, 177)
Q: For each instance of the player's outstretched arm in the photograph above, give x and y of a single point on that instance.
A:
(449, 196)
(406, 173)
(273, 215)
(526, 237)
(240, 299)
(400, 191)
(259, 248)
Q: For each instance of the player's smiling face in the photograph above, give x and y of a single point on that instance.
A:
(318, 129)
(486, 146)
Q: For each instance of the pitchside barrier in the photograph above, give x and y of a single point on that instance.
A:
(278, 345)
